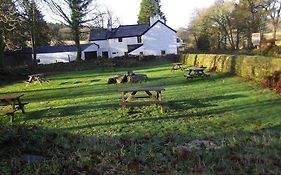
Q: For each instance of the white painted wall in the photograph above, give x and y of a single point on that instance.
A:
(48, 58)
(104, 47)
(64, 57)
(119, 48)
(156, 39)
(91, 48)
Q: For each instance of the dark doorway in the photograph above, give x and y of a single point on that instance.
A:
(91, 55)
(105, 54)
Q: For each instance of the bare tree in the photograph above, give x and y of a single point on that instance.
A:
(273, 10)
(9, 25)
(106, 18)
(75, 14)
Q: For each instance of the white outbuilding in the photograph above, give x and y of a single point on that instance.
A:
(66, 53)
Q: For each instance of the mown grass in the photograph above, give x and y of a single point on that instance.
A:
(76, 124)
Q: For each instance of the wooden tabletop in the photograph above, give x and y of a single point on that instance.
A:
(196, 68)
(36, 75)
(132, 89)
(10, 97)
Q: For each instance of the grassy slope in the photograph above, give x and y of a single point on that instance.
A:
(242, 118)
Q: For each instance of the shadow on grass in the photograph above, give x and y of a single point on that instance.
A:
(199, 103)
(200, 114)
(60, 112)
(148, 152)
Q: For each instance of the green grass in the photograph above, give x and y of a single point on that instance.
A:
(76, 123)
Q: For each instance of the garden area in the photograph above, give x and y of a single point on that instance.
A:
(74, 124)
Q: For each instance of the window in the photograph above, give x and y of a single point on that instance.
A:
(105, 54)
(139, 39)
(163, 52)
(120, 40)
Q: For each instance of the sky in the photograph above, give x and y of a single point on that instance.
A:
(178, 12)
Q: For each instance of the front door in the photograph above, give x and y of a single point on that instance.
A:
(105, 54)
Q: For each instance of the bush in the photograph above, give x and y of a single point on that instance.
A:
(251, 67)
(273, 81)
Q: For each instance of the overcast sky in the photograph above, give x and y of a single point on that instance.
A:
(178, 12)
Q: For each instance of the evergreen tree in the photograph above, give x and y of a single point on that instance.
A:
(148, 9)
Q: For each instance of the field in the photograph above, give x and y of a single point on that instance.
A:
(218, 125)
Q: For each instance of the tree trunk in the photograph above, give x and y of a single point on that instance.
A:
(274, 30)
(33, 47)
(33, 42)
(77, 43)
(237, 40)
(249, 40)
(2, 46)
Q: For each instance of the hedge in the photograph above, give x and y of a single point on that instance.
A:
(251, 67)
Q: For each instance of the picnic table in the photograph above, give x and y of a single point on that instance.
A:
(152, 95)
(15, 103)
(177, 66)
(36, 78)
(196, 72)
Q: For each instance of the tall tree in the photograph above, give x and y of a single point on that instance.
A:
(37, 28)
(249, 18)
(148, 9)
(10, 28)
(75, 14)
(273, 10)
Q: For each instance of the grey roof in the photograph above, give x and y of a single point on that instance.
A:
(130, 30)
(100, 34)
(121, 31)
(64, 48)
(50, 49)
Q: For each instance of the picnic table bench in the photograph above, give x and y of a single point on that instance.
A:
(15, 103)
(196, 72)
(36, 78)
(152, 95)
(177, 66)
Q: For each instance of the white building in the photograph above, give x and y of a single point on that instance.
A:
(155, 38)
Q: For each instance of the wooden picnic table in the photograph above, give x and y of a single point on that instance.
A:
(195, 72)
(177, 66)
(37, 78)
(149, 95)
(13, 100)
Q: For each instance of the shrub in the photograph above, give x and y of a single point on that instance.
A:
(273, 81)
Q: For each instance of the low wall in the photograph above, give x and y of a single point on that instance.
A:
(251, 67)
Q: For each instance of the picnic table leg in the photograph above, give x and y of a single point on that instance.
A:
(28, 81)
(21, 107)
(159, 98)
(38, 80)
(181, 67)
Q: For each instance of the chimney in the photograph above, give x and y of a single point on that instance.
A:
(154, 19)
(109, 25)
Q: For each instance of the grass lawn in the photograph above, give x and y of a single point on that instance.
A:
(220, 125)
